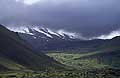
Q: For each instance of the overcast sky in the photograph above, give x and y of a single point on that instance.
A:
(88, 17)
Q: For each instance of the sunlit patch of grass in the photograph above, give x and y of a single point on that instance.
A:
(10, 64)
(75, 61)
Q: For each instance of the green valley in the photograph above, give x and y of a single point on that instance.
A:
(18, 59)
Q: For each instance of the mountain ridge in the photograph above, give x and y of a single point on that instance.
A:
(46, 31)
(49, 40)
(14, 49)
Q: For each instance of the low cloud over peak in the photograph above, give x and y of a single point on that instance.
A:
(109, 36)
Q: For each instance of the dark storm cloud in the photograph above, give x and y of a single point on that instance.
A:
(88, 17)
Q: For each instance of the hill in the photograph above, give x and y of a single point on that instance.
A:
(15, 54)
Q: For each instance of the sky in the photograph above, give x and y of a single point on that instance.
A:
(90, 18)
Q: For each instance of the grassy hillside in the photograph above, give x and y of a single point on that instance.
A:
(110, 58)
(16, 54)
(9, 64)
(106, 53)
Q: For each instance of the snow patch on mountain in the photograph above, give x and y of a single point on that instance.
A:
(42, 31)
(63, 34)
(20, 30)
(52, 32)
(72, 35)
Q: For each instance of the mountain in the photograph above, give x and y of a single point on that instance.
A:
(45, 39)
(46, 33)
(16, 54)
(111, 44)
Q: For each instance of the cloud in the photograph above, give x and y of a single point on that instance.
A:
(28, 2)
(88, 17)
(71, 34)
(109, 36)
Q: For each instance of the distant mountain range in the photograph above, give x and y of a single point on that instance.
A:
(45, 39)
(16, 54)
(46, 33)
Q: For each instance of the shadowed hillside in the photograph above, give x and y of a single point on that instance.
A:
(15, 54)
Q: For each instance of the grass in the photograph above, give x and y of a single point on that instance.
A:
(10, 64)
(74, 60)
(62, 74)
(68, 56)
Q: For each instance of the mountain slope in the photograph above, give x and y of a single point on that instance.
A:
(48, 38)
(17, 52)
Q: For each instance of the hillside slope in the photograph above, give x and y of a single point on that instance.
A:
(15, 54)
(106, 55)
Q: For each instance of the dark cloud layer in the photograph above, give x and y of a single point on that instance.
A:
(88, 17)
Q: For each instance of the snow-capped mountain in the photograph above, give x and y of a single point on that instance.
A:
(47, 39)
(46, 33)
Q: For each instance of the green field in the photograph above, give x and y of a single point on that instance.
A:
(74, 60)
